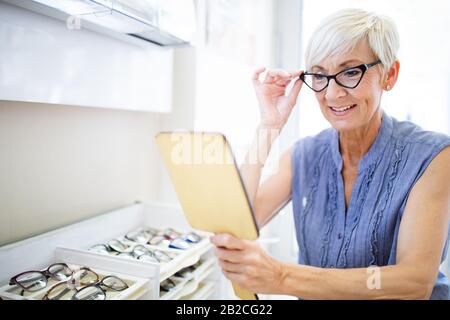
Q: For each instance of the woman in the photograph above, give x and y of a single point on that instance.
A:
(371, 195)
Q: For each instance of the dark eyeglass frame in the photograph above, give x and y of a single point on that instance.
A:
(363, 67)
(98, 284)
(46, 273)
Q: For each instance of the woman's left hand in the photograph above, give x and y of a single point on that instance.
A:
(247, 265)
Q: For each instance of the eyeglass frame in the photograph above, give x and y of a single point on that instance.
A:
(46, 273)
(363, 67)
(148, 233)
(99, 286)
(133, 254)
(98, 283)
(154, 253)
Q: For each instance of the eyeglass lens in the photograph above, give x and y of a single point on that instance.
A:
(92, 290)
(96, 292)
(37, 280)
(349, 78)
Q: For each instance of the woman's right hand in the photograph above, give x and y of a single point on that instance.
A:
(274, 104)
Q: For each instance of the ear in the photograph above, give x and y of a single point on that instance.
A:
(391, 76)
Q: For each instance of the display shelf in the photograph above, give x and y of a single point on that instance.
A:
(70, 244)
(204, 291)
(188, 284)
(137, 287)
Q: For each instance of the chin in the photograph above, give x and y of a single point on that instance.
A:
(343, 125)
(342, 122)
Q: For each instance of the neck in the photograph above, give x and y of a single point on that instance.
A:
(354, 144)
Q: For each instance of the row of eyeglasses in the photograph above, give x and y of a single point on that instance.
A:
(69, 283)
(133, 244)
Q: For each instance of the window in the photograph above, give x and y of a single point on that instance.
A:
(422, 91)
(234, 38)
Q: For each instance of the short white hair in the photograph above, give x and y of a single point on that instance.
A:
(340, 33)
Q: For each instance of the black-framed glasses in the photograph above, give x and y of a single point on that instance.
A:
(348, 78)
(94, 291)
(34, 280)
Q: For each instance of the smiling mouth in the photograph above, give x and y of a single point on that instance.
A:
(343, 108)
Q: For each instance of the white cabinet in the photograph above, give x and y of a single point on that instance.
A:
(43, 60)
(71, 244)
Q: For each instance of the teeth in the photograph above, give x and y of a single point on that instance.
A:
(341, 109)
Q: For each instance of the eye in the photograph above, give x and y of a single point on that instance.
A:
(352, 73)
(319, 77)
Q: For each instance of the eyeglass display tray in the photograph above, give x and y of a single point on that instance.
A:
(137, 287)
(70, 244)
(189, 284)
(204, 290)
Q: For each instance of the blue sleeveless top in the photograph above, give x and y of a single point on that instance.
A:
(366, 234)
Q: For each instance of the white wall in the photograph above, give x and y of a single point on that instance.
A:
(60, 164)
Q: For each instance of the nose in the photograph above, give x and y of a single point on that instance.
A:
(334, 91)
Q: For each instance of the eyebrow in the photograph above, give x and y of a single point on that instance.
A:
(343, 64)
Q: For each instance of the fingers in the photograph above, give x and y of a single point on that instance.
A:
(231, 267)
(280, 77)
(233, 256)
(295, 91)
(236, 278)
(282, 82)
(297, 73)
(227, 241)
(274, 76)
(256, 74)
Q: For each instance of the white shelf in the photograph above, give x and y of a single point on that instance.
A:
(70, 245)
(203, 292)
(188, 285)
(138, 287)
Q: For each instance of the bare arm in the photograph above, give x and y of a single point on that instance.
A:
(275, 108)
(422, 235)
(274, 191)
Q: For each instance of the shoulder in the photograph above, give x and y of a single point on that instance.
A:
(431, 192)
(439, 167)
(407, 132)
(424, 151)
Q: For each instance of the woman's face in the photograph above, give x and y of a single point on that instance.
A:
(363, 100)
